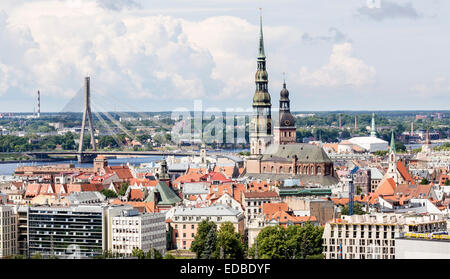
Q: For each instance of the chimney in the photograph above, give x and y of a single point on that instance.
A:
(39, 105)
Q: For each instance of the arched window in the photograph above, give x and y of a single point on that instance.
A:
(281, 169)
(290, 169)
(319, 170)
(264, 169)
(272, 169)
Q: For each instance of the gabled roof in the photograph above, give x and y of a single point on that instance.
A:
(387, 187)
(123, 172)
(215, 176)
(271, 208)
(143, 182)
(405, 174)
(166, 195)
(414, 191)
(306, 153)
(136, 194)
(148, 207)
(32, 190)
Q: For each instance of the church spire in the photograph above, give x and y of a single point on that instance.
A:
(261, 53)
(373, 132)
(392, 146)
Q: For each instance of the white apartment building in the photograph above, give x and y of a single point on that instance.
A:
(373, 236)
(131, 229)
(8, 231)
(185, 221)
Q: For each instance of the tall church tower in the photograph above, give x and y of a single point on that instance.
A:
(285, 132)
(261, 124)
(392, 169)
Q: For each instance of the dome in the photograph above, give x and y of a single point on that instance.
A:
(261, 75)
(284, 94)
(261, 99)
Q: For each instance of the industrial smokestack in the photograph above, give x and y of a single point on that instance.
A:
(356, 122)
(39, 105)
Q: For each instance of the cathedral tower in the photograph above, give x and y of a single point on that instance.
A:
(285, 132)
(261, 124)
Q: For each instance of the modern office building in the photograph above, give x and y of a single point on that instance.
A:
(22, 230)
(65, 232)
(373, 236)
(8, 231)
(133, 230)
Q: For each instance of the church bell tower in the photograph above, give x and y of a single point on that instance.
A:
(261, 124)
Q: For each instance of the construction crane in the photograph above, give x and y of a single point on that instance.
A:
(351, 189)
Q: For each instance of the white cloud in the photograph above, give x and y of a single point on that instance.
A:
(341, 70)
(439, 86)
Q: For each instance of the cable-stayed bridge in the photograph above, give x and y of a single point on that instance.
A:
(83, 101)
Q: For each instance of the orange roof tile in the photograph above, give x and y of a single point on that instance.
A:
(387, 187)
(405, 174)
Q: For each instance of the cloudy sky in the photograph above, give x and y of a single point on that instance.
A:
(158, 55)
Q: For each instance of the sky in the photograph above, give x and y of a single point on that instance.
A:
(145, 55)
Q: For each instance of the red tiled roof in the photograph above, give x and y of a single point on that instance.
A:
(270, 208)
(32, 190)
(405, 174)
(144, 182)
(123, 172)
(148, 207)
(136, 194)
(387, 187)
(267, 194)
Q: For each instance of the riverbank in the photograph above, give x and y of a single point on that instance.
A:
(49, 160)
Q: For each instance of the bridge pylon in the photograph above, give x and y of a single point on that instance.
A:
(86, 158)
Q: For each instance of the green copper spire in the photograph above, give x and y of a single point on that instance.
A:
(393, 143)
(261, 39)
(373, 132)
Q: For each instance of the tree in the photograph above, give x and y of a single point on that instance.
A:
(210, 245)
(169, 256)
(37, 256)
(424, 181)
(380, 153)
(229, 242)
(138, 253)
(198, 245)
(271, 243)
(108, 193)
(123, 188)
(447, 182)
(357, 209)
(153, 254)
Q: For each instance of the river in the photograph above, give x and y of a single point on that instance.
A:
(8, 169)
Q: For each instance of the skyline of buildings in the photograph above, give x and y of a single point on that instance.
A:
(288, 197)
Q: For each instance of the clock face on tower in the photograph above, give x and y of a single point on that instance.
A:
(287, 122)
